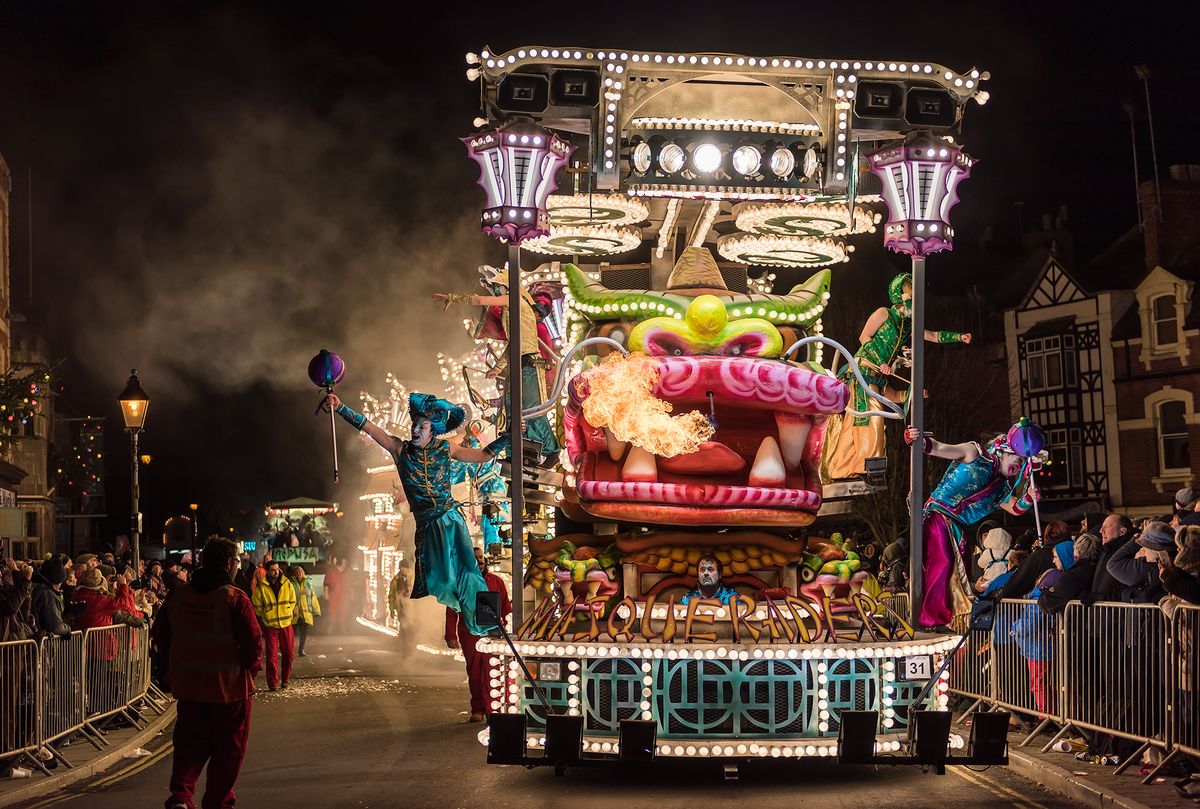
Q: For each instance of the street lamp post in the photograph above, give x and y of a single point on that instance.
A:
(920, 177)
(134, 404)
(195, 507)
(518, 162)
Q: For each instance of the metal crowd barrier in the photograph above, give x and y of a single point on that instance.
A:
(1107, 670)
(55, 687)
(18, 697)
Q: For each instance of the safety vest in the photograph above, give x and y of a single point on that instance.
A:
(205, 665)
(277, 612)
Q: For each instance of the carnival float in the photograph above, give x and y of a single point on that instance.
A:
(684, 421)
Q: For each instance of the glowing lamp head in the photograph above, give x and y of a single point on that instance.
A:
(134, 403)
(747, 160)
(783, 162)
(707, 158)
(518, 162)
(920, 180)
(641, 157)
(671, 158)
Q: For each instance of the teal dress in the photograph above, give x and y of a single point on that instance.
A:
(445, 567)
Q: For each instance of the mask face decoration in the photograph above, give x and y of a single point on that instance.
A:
(708, 573)
(714, 353)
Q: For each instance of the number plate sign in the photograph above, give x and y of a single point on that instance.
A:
(916, 667)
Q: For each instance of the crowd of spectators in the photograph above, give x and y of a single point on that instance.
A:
(53, 597)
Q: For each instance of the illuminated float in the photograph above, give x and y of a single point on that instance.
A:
(692, 403)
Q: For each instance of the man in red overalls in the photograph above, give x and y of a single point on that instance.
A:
(459, 637)
(208, 633)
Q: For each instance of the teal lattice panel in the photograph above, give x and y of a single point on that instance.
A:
(612, 692)
(853, 685)
(735, 698)
(556, 694)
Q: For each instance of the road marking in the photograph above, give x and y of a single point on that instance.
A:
(136, 768)
(990, 784)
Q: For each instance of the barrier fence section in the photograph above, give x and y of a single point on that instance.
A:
(1108, 671)
(18, 697)
(58, 686)
(1184, 680)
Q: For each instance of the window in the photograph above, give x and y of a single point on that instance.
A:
(1050, 363)
(1173, 454)
(1164, 321)
(31, 524)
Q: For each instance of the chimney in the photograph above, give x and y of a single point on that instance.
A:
(1060, 222)
(1047, 223)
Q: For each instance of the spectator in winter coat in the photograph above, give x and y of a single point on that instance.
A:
(1115, 532)
(1185, 508)
(47, 599)
(16, 587)
(1026, 576)
(1033, 630)
(1135, 565)
(1075, 580)
(1181, 576)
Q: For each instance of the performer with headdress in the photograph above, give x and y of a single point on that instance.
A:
(534, 351)
(445, 560)
(887, 333)
(488, 482)
(980, 480)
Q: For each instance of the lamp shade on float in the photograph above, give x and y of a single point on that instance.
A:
(518, 162)
(920, 178)
(326, 369)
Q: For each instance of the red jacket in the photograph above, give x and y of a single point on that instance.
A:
(98, 609)
(456, 628)
(208, 633)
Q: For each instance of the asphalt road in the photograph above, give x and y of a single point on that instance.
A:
(367, 725)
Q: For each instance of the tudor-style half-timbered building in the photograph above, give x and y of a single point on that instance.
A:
(1061, 376)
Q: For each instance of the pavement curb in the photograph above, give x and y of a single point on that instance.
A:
(1063, 781)
(39, 787)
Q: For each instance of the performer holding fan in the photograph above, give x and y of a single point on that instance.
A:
(445, 561)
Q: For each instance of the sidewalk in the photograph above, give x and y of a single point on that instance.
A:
(86, 760)
(1093, 785)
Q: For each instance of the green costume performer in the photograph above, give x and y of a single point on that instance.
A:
(853, 439)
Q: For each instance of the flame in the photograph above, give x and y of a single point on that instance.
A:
(620, 399)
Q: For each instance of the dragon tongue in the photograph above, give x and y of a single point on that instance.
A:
(712, 458)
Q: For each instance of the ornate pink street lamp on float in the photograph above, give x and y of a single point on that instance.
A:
(920, 178)
(518, 161)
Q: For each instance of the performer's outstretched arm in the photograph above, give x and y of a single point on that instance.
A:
(947, 336)
(952, 452)
(360, 422)
(448, 298)
(484, 455)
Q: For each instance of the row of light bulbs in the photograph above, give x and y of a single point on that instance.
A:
(657, 652)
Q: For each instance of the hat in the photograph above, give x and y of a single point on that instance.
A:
(1087, 546)
(107, 570)
(445, 416)
(84, 558)
(1157, 536)
(1186, 497)
(1065, 551)
(1187, 539)
(52, 570)
(92, 579)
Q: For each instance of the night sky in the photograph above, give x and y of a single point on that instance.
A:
(222, 189)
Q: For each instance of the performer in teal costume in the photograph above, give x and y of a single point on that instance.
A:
(445, 559)
(488, 482)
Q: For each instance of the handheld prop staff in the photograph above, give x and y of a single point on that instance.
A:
(1029, 440)
(327, 370)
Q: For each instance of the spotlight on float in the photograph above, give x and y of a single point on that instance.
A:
(856, 737)
(639, 738)
(564, 739)
(931, 738)
(671, 158)
(810, 161)
(989, 737)
(641, 157)
(747, 161)
(706, 158)
(506, 738)
(783, 161)
(876, 475)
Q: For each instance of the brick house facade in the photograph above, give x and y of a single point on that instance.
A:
(1107, 359)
